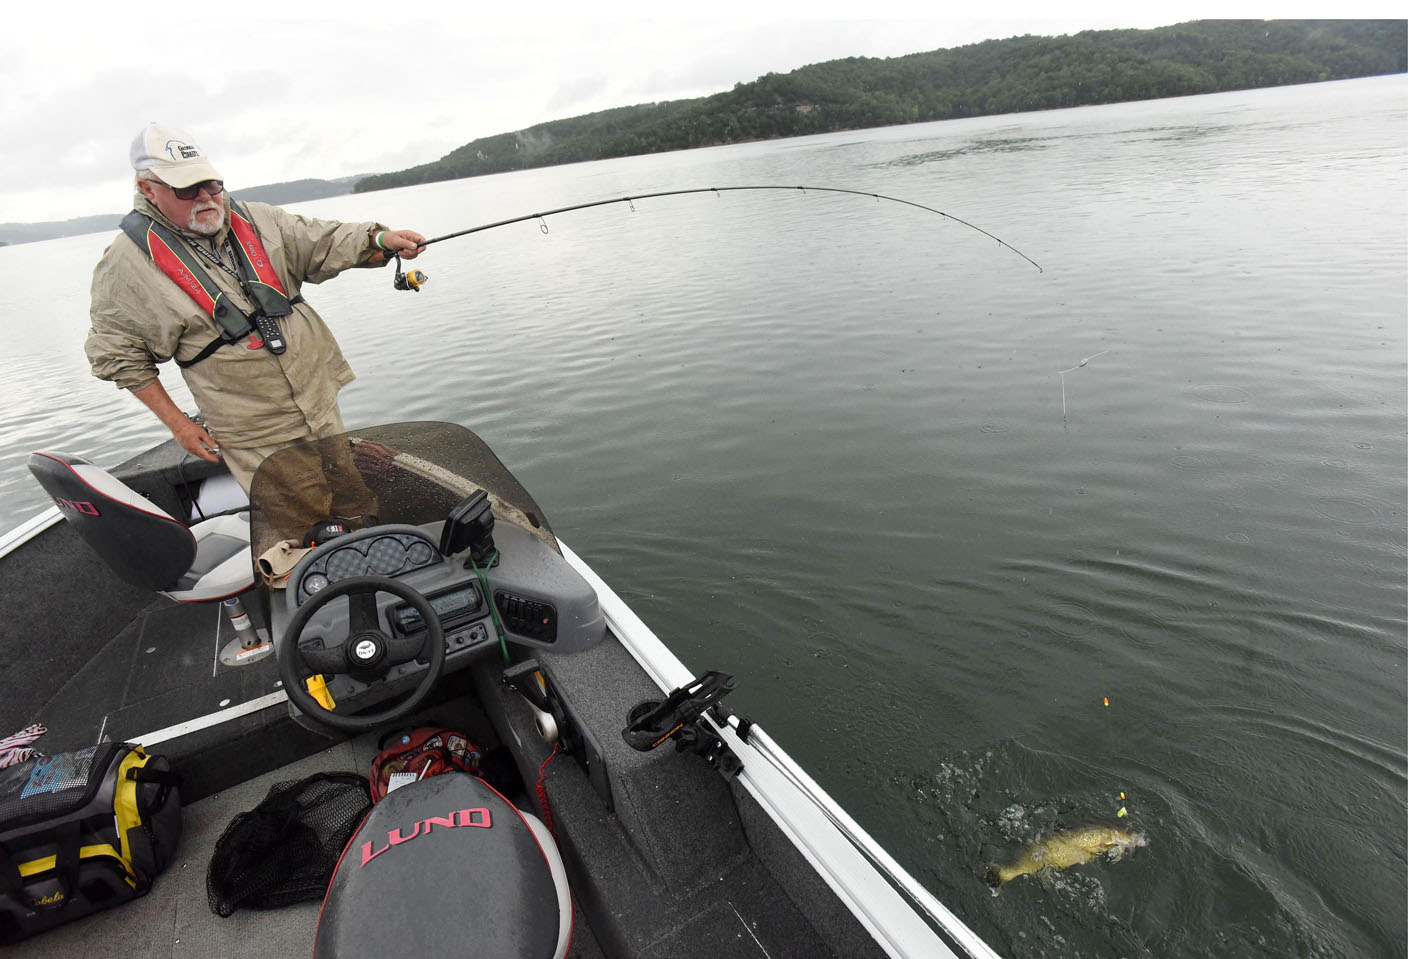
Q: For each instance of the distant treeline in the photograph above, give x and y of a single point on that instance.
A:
(995, 76)
(292, 191)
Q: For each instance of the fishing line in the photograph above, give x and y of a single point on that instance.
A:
(630, 200)
(1062, 374)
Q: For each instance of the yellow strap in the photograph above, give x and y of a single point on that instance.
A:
(124, 800)
(35, 866)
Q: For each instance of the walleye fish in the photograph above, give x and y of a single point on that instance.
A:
(1065, 849)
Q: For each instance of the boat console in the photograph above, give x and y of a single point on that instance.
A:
(380, 613)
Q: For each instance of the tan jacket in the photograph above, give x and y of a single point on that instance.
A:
(249, 397)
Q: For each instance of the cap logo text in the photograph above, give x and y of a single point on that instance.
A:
(181, 151)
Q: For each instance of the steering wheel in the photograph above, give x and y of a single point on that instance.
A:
(366, 652)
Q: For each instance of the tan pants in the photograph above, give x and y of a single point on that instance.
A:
(242, 462)
(300, 488)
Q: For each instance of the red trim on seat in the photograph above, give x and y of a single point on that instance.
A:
(158, 514)
(571, 900)
(356, 834)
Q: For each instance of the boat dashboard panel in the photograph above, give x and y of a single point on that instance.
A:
(369, 552)
(538, 600)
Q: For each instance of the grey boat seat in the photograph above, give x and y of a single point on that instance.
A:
(485, 877)
(143, 543)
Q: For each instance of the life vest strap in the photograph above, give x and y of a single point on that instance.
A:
(257, 278)
(210, 347)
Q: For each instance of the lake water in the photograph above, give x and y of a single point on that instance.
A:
(818, 441)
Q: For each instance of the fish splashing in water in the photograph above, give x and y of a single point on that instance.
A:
(1070, 848)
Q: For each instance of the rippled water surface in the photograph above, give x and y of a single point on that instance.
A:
(818, 441)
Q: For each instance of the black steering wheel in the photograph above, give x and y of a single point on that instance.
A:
(366, 653)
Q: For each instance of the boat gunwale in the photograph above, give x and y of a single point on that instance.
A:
(28, 530)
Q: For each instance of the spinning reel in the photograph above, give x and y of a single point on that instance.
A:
(412, 281)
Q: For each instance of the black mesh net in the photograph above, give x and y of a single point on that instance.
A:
(285, 849)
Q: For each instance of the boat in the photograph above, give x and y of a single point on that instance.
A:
(427, 587)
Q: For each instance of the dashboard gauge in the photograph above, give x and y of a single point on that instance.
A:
(386, 556)
(314, 582)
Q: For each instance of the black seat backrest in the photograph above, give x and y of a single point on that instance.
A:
(139, 540)
(444, 867)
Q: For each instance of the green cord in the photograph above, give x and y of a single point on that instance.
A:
(489, 598)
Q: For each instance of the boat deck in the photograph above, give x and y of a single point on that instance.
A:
(175, 920)
(685, 866)
(136, 664)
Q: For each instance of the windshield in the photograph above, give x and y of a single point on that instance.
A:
(402, 473)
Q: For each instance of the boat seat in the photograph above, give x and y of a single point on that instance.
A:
(141, 541)
(447, 867)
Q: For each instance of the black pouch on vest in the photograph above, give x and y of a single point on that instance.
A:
(82, 831)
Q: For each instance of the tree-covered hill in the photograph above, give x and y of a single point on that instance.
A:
(292, 191)
(995, 76)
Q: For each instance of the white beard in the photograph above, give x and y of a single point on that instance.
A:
(195, 226)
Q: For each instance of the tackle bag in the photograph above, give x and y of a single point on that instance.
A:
(82, 831)
(413, 754)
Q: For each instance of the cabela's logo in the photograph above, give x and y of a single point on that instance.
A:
(54, 898)
(181, 150)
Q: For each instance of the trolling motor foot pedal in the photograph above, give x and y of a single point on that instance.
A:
(653, 722)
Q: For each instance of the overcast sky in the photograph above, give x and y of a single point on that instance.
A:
(379, 87)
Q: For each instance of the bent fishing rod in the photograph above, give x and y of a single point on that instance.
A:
(411, 283)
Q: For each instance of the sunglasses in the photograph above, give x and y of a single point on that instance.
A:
(211, 187)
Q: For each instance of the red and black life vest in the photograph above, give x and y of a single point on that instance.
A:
(169, 251)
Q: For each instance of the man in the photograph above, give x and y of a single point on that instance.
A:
(219, 291)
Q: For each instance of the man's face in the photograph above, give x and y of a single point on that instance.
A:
(203, 213)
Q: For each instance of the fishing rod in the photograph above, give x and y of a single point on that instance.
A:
(630, 200)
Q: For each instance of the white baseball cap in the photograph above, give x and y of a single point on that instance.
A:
(172, 155)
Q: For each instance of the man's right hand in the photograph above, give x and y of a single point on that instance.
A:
(190, 434)
(196, 441)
